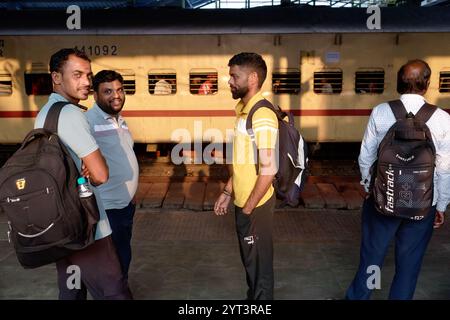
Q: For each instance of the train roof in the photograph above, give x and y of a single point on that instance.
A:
(261, 20)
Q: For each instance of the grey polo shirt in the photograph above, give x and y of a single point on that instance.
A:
(116, 144)
(74, 132)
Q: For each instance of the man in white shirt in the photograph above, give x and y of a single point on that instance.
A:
(411, 236)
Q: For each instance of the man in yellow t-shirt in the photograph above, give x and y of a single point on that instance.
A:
(254, 197)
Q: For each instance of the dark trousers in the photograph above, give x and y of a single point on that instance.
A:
(121, 221)
(411, 240)
(256, 247)
(100, 273)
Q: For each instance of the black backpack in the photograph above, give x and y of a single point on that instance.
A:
(403, 173)
(47, 220)
(292, 158)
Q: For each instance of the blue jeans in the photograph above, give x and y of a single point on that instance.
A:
(121, 221)
(411, 241)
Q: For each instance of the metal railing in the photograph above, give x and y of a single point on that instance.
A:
(200, 4)
(217, 4)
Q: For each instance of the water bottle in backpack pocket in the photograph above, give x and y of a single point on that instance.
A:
(88, 201)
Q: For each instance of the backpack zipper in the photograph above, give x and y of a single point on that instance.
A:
(47, 190)
(9, 231)
(36, 234)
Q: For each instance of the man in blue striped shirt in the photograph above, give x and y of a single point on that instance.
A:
(114, 139)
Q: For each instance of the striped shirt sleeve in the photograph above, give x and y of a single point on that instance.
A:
(265, 127)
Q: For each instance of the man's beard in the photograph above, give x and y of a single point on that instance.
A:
(106, 107)
(239, 93)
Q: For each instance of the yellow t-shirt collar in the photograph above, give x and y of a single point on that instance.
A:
(245, 109)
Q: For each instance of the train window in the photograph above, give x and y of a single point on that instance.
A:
(162, 82)
(129, 81)
(286, 81)
(328, 82)
(444, 81)
(203, 82)
(369, 82)
(5, 84)
(38, 84)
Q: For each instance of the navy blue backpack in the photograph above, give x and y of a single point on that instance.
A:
(293, 155)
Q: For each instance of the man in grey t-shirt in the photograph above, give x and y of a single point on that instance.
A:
(116, 144)
(98, 263)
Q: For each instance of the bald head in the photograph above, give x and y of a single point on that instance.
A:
(414, 77)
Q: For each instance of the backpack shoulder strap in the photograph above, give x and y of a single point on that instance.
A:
(263, 103)
(398, 109)
(51, 120)
(425, 112)
(248, 126)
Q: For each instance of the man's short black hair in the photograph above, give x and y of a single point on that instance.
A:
(253, 61)
(409, 83)
(105, 76)
(58, 59)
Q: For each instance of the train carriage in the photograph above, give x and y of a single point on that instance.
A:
(324, 64)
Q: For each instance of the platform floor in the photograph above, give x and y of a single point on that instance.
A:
(199, 194)
(185, 254)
